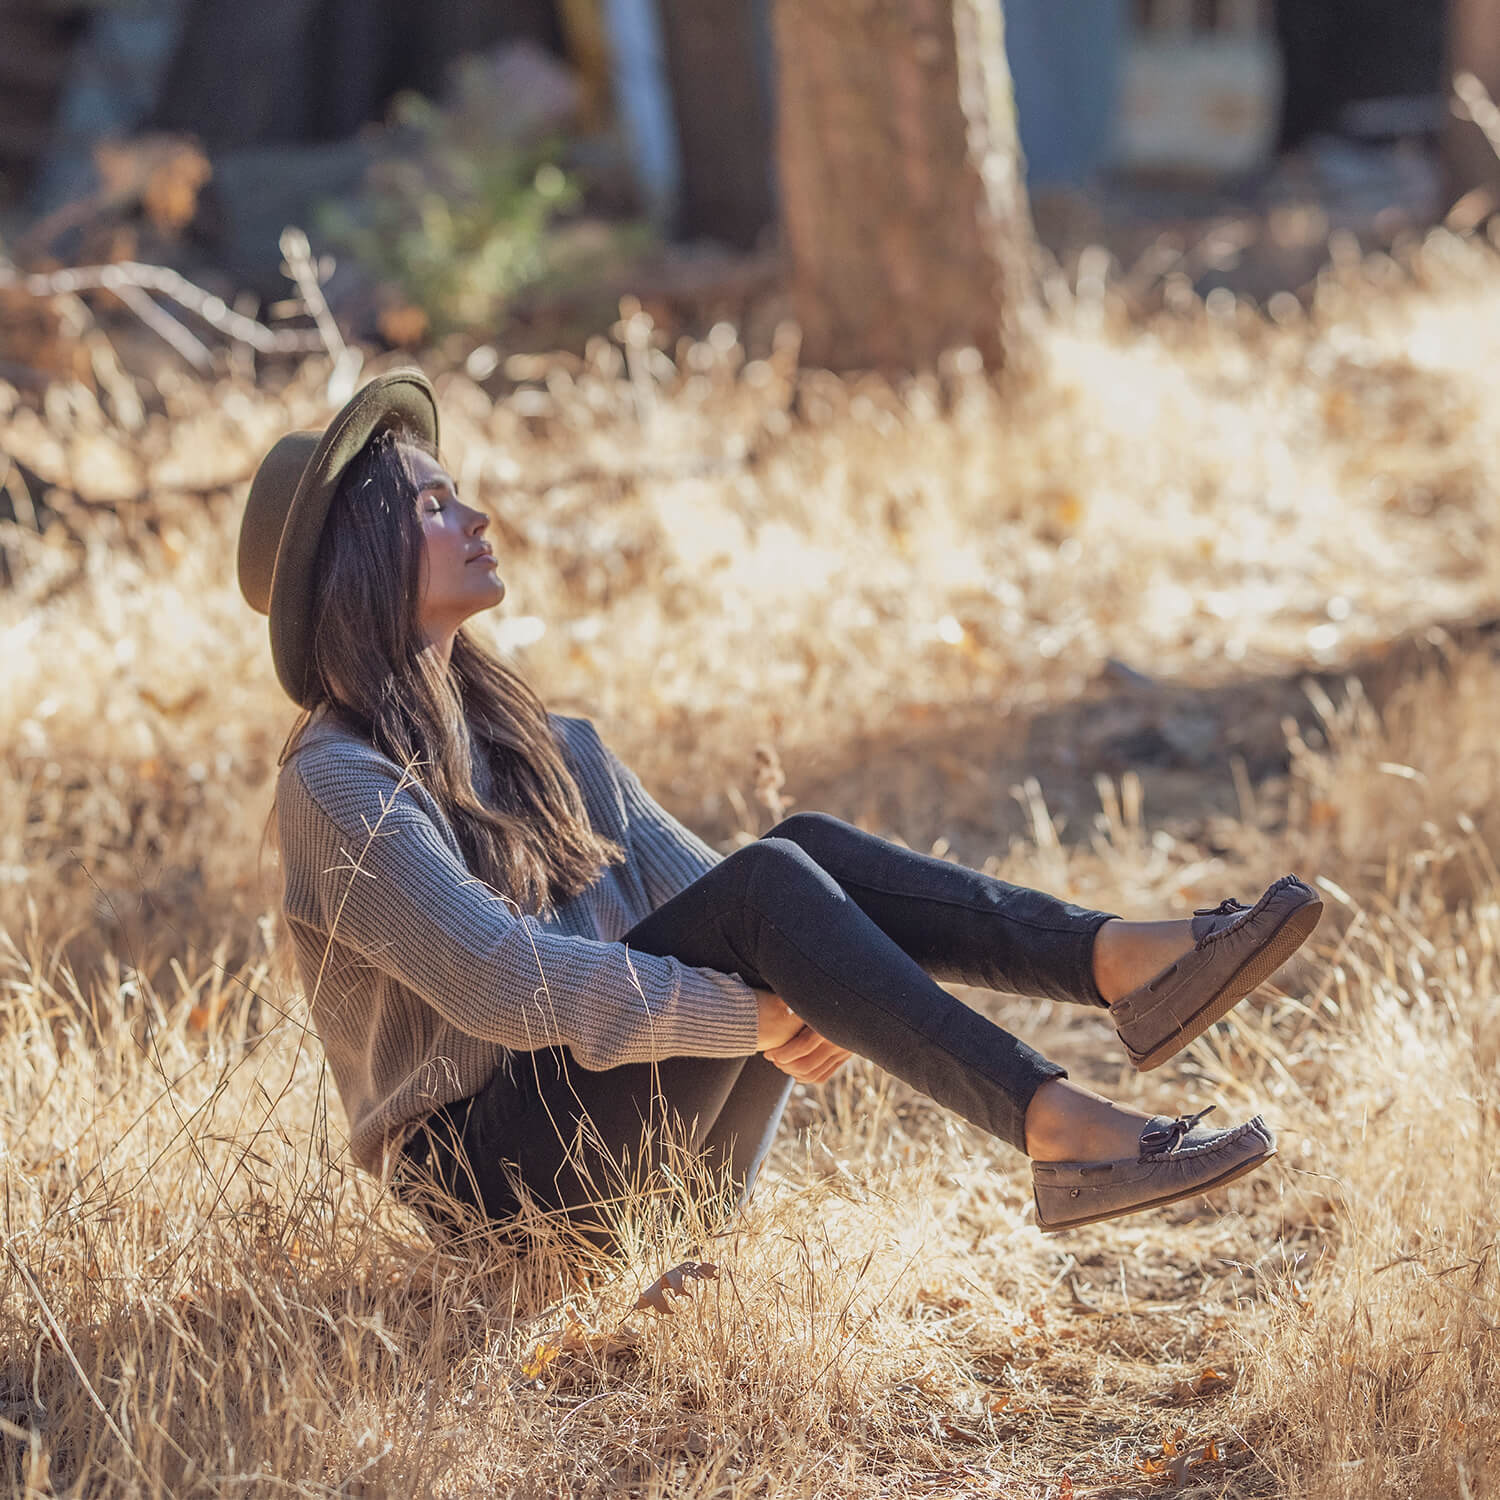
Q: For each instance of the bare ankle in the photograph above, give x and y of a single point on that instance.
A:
(1066, 1122)
(1127, 954)
(1055, 1117)
(1106, 952)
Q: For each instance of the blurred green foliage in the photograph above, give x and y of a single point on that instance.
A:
(457, 224)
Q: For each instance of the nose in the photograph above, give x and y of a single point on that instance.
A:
(479, 523)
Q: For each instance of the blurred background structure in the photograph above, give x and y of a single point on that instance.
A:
(406, 139)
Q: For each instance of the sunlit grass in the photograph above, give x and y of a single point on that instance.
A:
(201, 1296)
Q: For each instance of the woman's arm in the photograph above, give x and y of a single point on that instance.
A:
(366, 864)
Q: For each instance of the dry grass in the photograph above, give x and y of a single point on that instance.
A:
(896, 586)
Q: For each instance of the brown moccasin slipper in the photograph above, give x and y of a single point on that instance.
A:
(1237, 946)
(1177, 1160)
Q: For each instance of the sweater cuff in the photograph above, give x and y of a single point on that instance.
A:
(719, 1012)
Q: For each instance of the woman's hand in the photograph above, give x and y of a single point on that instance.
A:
(798, 1050)
(775, 1024)
(809, 1057)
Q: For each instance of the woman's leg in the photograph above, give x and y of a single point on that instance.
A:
(740, 1137)
(579, 1140)
(960, 925)
(772, 914)
(582, 1143)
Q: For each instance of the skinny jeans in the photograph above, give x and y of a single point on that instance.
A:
(854, 933)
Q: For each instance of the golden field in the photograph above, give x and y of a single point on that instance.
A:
(1209, 603)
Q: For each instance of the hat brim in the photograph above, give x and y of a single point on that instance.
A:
(403, 397)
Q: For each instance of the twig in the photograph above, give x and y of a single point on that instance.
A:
(168, 283)
(104, 360)
(300, 267)
(166, 327)
(1479, 107)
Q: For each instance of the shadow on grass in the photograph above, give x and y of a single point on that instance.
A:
(1201, 752)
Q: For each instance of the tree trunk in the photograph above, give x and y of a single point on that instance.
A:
(902, 201)
(1473, 47)
(718, 87)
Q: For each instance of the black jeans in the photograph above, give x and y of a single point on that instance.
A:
(852, 932)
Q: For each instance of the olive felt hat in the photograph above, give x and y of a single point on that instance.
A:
(288, 504)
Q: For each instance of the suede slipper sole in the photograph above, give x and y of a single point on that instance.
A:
(1176, 1195)
(1262, 962)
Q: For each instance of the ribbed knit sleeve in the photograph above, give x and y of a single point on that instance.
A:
(370, 864)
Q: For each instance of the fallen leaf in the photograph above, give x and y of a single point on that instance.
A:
(1206, 1383)
(574, 1337)
(957, 1433)
(655, 1297)
(942, 1299)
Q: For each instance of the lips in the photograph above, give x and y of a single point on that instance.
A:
(483, 557)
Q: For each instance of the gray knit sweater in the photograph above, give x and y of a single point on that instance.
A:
(421, 978)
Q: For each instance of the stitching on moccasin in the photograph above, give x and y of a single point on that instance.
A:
(1276, 886)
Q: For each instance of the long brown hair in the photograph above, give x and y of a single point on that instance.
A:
(372, 668)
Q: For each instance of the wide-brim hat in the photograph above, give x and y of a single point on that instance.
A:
(288, 504)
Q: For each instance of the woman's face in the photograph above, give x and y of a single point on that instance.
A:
(459, 576)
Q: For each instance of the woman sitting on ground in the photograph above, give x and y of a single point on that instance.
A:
(521, 967)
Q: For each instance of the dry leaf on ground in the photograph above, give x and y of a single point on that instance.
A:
(655, 1297)
(574, 1337)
